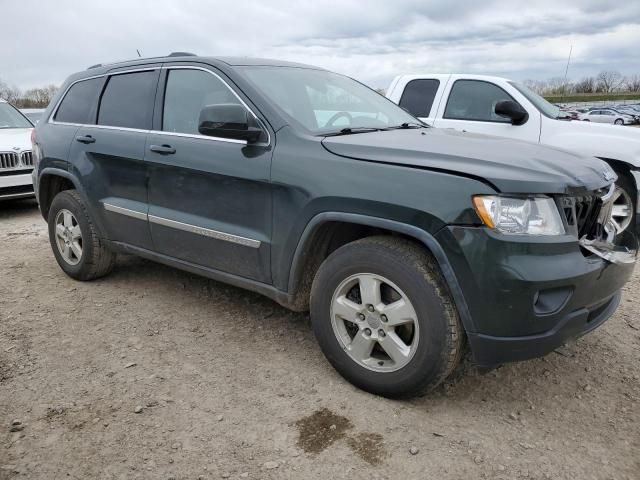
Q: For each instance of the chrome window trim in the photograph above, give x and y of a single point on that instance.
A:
(124, 211)
(161, 132)
(206, 232)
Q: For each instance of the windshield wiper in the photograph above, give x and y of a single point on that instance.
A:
(351, 130)
(407, 125)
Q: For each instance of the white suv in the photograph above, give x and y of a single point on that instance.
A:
(16, 160)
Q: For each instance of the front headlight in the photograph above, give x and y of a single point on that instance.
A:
(519, 215)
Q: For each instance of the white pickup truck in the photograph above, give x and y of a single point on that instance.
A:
(501, 107)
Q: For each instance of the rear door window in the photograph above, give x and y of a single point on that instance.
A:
(127, 100)
(475, 100)
(80, 102)
(418, 96)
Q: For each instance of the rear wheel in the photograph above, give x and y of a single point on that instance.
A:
(75, 242)
(384, 318)
(619, 121)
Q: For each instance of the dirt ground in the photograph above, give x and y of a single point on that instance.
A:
(227, 384)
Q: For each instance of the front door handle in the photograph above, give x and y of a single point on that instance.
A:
(163, 149)
(85, 139)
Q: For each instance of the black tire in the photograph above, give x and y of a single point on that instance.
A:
(417, 274)
(96, 260)
(619, 121)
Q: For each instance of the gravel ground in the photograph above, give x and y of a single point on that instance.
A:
(156, 373)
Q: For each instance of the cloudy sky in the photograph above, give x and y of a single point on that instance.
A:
(41, 42)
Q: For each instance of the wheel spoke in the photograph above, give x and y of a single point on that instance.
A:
(66, 252)
(76, 233)
(60, 229)
(67, 219)
(370, 290)
(399, 313)
(361, 346)
(346, 309)
(393, 345)
(76, 249)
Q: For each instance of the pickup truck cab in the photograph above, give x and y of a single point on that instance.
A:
(406, 243)
(469, 102)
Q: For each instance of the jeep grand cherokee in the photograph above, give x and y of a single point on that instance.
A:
(406, 243)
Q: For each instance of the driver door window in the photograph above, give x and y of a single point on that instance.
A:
(186, 93)
(475, 100)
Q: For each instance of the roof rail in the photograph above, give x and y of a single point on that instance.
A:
(97, 65)
(182, 54)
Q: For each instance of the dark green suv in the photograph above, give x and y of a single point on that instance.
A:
(406, 243)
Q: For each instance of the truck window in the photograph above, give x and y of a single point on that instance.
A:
(79, 101)
(475, 100)
(127, 100)
(418, 95)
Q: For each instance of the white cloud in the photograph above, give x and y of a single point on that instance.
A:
(372, 40)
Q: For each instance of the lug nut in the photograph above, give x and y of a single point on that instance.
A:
(381, 333)
(367, 331)
(383, 318)
(361, 316)
(370, 308)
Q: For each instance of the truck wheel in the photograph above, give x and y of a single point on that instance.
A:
(74, 239)
(619, 121)
(384, 318)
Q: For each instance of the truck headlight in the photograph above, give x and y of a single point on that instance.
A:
(534, 215)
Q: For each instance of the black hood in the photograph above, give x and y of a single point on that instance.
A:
(511, 166)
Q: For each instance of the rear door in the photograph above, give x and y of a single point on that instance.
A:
(109, 154)
(469, 104)
(418, 98)
(209, 198)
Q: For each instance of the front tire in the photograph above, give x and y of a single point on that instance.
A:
(384, 318)
(74, 239)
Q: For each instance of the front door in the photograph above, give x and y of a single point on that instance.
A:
(470, 106)
(209, 198)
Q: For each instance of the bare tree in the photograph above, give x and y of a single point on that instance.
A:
(9, 93)
(538, 86)
(632, 83)
(586, 85)
(608, 81)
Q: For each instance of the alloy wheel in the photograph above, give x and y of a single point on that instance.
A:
(375, 322)
(68, 237)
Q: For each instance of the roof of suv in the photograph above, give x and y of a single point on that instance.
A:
(186, 57)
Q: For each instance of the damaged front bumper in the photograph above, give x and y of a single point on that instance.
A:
(610, 252)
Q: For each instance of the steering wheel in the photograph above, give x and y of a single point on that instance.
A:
(338, 115)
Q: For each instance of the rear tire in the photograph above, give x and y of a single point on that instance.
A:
(619, 121)
(74, 239)
(431, 342)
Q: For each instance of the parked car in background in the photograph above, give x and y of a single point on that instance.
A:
(33, 114)
(16, 161)
(607, 115)
(404, 242)
(498, 106)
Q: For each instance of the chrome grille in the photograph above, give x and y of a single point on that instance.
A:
(27, 158)
(8, 160)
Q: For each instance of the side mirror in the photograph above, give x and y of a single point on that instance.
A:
(228, 120)
(513, 111)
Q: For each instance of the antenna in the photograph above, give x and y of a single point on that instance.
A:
(138, 52)
(566, 71)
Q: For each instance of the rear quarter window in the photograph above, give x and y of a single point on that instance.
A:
(79, 102)
(127, 100)
(418, 95)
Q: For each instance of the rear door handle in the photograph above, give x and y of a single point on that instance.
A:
(85, 139)
(163, 149)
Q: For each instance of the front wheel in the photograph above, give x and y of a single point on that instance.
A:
(384, 318)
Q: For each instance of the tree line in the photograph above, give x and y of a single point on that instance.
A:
(31, 98)
(607, 81)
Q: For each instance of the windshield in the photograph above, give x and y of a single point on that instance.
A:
(540, 103)
(324, 102)
(12, 118)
